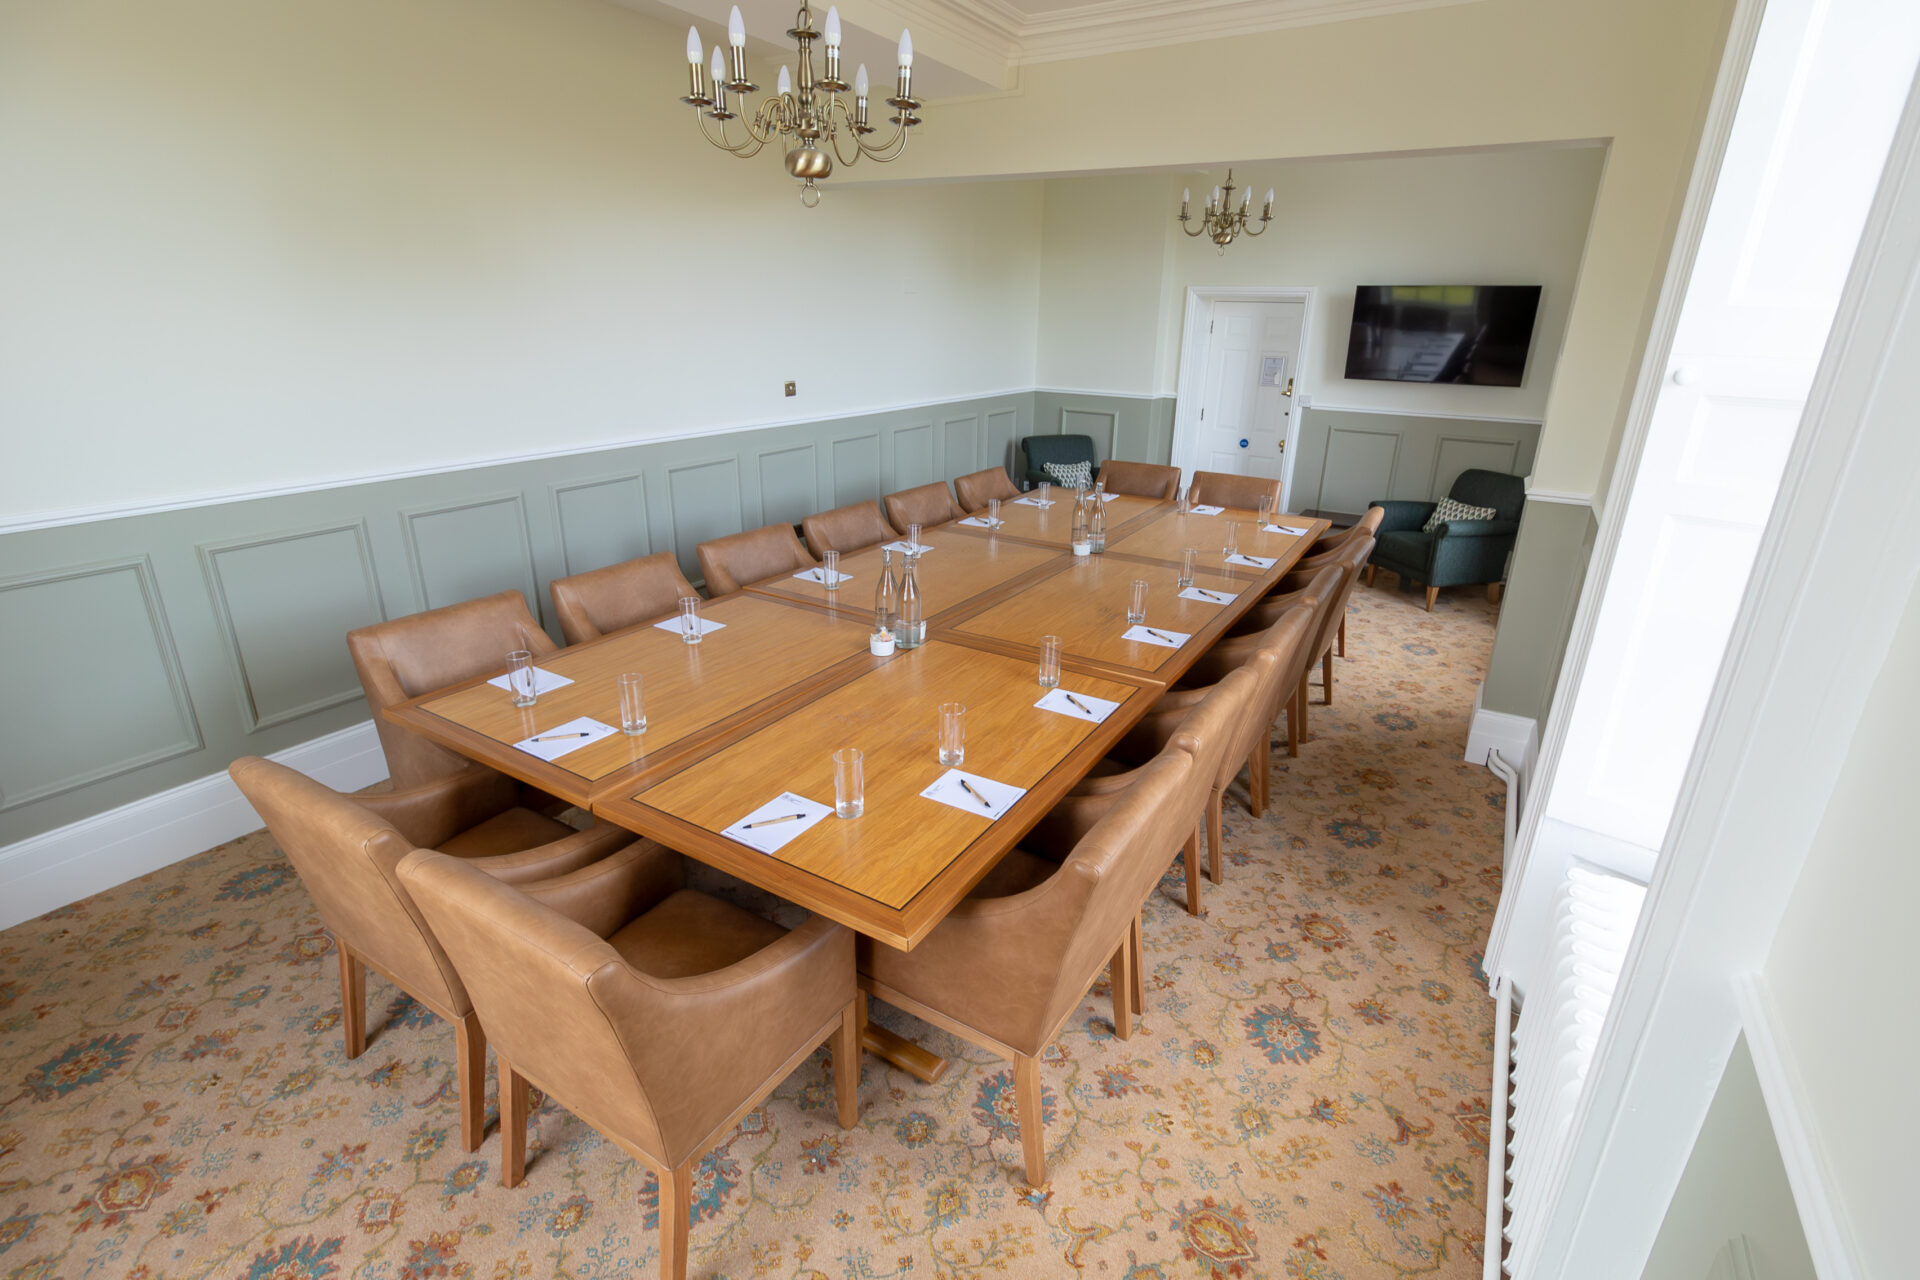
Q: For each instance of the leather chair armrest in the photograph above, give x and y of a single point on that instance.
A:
(431, 813)
(608, 893)
(1476, 528)
(1286, 593)
(562, 857)
(1075, 813)
(1403, 516)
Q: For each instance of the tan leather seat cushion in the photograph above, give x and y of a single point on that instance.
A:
(691, 933)
(509, 831)
(1018, 872)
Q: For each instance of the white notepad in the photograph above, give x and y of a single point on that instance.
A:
(544, 681)
(1253, 562)
(819, 575)
(551, 744)
(1205, 511)
(994, 798)
(1032, 502)
(1207, 595)
(904, 546)
(772, 835)
(1156, 635)
(980, 522)
(1286, 529)
(1081, 706)
(707, 625)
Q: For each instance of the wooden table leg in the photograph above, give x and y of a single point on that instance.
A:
(922, 1064)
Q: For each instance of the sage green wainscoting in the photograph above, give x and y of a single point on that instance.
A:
(1137, 428)
(1347, 458)
(147, 651)
(1544, 578)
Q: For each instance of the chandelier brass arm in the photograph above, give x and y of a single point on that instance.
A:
(1221, 222)
(810, 119)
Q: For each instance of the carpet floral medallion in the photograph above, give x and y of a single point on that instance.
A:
(1306, 1095)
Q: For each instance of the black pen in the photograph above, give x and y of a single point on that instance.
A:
(1076, 702)
(767, 822)
(1150, 631)
(551, 736)
(985, 803)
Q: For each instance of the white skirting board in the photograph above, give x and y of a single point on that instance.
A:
(50, 870)
(1517, 738)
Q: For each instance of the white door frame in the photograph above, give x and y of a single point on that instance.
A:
(1186, 419)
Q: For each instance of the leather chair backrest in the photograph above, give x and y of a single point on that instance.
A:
(1214, 731)
(974, 490)
(926, 506)
(1348, 562)
(1141, 479)
(1220, 489)
(1041, 450)
(421, 652)
(1504, 493)
(621, 595)
(847, 528)
(348, 858)
(1281, 660)
(741, 559)
(533, 970)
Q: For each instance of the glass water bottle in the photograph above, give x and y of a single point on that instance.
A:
(1097, 520)
(910, 631)
(1081, 544)
(885, 605)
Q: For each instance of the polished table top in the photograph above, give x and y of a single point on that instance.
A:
(757, 708)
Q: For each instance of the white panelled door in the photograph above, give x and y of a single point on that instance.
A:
(1246, 389)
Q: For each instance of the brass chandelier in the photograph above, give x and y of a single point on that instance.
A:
(1222, 222)
(810, 120)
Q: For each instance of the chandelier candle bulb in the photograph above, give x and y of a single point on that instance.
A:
(720, 111)
(736, 29)
(785, 85)
(833, 27)
(695, 54)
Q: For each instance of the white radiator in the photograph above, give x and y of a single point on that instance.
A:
(1551, 1047)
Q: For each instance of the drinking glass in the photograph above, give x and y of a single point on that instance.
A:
(633, 708)
(521, 678)
(830, 568)
(993, 512)
(1266, 508)
(690, 619)
(1230, 545)
(1049, 662)
(849, 783)
(913, 539)
(1188, 555)
(1181, 505)
(1046, 491)
(1137, 602)
(953, 733)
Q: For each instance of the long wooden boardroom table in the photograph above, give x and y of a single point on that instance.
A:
(757, 708)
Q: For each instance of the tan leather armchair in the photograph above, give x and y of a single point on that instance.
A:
(1318, 593)
(658, 1015)
(1141, 479)
(742, 559)
(1007, 971)
(1336, 540)
(346, 850)
(848, 528)
(414, 655)
(591, 604)
(1350, 560)
(926, 506)
(975, 490)
(1220, 489)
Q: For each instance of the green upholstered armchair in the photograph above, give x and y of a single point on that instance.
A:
(1458, 552)
(1044, 449)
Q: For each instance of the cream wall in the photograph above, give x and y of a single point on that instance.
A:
(245, 246)
(1116, 266)
(1633, 72)
(1840, 965)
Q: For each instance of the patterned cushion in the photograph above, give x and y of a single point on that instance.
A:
(1451, 510)
(1070, 475)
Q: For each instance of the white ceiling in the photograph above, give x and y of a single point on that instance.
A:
(964, 47)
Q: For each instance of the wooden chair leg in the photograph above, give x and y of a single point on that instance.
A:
(1293, 725)
(1326, 674)
(1138, 971)
(353, 1000)
(1300, 701)
(1033, 1139)
(470, 1068)
(676, 1212)
(1371, 570)
(846, 1065)
(1495, 590)
(1191, 856)
(1120, 979)
(1259, 767)
(1343, 635)
(1214, 835)
(514, 1099)
(1433, 593)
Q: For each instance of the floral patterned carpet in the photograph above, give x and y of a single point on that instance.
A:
(1306, 1096)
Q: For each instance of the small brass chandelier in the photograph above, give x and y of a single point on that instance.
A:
(811, 120)
(1222, 222)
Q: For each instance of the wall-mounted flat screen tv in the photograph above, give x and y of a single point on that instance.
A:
(1470, 333)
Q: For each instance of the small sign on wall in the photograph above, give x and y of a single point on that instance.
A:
(1272, 370)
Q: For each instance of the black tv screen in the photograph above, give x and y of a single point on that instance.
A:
(1468, 333)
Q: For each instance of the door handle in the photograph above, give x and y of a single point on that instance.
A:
(1289, 390)
(1283, 446)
